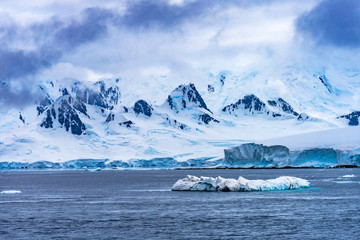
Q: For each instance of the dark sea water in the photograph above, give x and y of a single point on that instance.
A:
(141, 205)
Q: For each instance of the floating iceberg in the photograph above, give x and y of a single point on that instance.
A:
(10, 192)
(348, 176)
(209, 184)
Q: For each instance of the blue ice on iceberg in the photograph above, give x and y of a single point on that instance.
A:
(209, 184)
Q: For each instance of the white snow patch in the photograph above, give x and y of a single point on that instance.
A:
(209, 184)
(10, 192)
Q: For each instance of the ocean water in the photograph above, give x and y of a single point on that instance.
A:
(141, 205)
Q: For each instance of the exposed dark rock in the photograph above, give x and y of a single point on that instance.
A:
(43, 104)
(91, 97)
(110, 117)
(65, 92)
(250, 103)
(222, 79)
(97, 95)
(126, 109)
(127, 124)
(184, 97)
(67, 116)
(22, 118)
(80, 107)
(47, 122)
(142, 107)
(353, 117)
(206, 118)
(325, 82)
(211, 89)
(303, 117)
(170, 102)
(283, 106)
(176, 124)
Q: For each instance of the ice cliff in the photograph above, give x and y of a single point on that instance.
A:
(251, 155)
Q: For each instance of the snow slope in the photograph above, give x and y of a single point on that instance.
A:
(100, 124)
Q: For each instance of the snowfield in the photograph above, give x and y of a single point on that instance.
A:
(110, 124)
(209, 184)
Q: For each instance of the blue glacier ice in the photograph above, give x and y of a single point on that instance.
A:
(251, 155)
(96, 164)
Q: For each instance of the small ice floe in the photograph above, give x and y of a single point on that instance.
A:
(10, 192)
(209, 184)
(93, 169)
(348, 176)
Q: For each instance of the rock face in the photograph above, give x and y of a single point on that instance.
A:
(323, 79)
(186, 97)
(43, 104)
(97, 95)
(142, 107)
(283, 106)
(303, 117)
(353, 118)
(206, 118)
(249, 105)
(64, 111)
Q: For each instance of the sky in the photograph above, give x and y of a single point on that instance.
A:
(140, 40)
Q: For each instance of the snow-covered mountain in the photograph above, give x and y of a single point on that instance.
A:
(191, 127)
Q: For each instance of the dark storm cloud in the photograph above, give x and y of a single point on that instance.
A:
(47, 42)
(56, 38)
(332, 22)
(149, 13)
(93, 27)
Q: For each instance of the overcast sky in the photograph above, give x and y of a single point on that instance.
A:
(138, 40)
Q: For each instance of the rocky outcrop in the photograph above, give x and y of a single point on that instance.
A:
(186, 97)
(142, 107)
(206, 118)
(98, 94)
(64, 111)
(283, 106)
(353, 118)
(249, 105)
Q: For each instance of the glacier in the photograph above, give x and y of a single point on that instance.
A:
(99, 164)
(251, 155)
(219, 184)
(98, 125)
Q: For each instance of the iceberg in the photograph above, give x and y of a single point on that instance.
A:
(348, 176)
(10, 192)
(219, 184)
